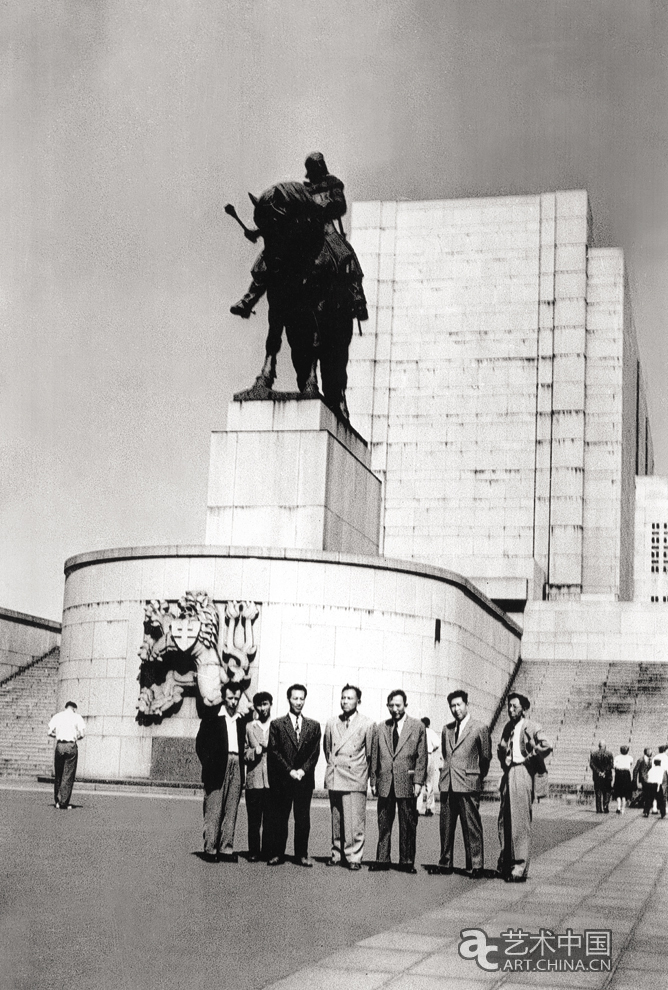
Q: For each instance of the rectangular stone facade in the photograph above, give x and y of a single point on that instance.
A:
(499, 384)
(290, 474)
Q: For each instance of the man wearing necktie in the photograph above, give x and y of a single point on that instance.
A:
(467, 754)
(521, 751)
(398, 773)
(347, 744)
(292, 754)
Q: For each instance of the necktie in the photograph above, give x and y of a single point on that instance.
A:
(395, 737)
(457, 733)
(297, 728)
(509, 757)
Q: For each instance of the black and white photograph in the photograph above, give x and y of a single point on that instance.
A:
(333, 494)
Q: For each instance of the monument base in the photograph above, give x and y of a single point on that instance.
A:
(288, 472)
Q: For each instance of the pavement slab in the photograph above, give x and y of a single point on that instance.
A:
(139, 910)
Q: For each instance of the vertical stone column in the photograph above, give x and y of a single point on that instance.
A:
(568, 394)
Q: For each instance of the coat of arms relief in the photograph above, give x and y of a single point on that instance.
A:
(183, 648)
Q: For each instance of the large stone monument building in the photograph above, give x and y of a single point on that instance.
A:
(500, 426)
(500, 387)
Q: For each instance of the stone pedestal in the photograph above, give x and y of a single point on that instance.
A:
(288, 473)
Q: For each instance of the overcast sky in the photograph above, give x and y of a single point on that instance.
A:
(126, 126)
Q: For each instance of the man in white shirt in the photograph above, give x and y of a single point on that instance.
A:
(67, 727)
(220, 747)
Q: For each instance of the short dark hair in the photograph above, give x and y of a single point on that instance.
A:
(624, 750)
(393, 694)
(261, 697)
(522, 698)
(231, 686)
(296, 687)
(71, 704)
(426, 721)
(662, 749)
(647, 750)
(458, 694)
(352, 687)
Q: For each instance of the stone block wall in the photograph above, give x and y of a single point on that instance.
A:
(325, 619)
(500, 387)
(24, 638)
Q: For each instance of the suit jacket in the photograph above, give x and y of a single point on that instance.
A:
(534, 746)
(640, 772)
(601, 763)
(465, 765)
(348, 753)
(285, 753)
(257, 775)
(406, 767)
(212, 747)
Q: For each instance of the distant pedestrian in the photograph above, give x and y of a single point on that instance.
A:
(640, 772)
(656, 788)
(601, 762)
(67, 727)
(427, 800)
(623, 787)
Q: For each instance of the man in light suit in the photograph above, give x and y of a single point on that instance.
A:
(220, 747)
(466, 749)
(257, 778)
(292, 754)
(348, 743)
(521, 751)
(398, 773)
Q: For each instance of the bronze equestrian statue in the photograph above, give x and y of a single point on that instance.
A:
(312, 278)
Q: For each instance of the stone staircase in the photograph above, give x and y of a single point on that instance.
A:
(577, 704)
(27, 702)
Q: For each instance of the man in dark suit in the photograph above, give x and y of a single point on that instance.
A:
(601, 764)
(398, 773)
(220, 747)
(292, 754)
(466, 749)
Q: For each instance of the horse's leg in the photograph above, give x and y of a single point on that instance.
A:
(302, 333)
(267, 376)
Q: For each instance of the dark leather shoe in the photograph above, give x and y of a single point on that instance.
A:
(354, 866)
(446, 870)
(515, 879)
(275, 861)
(228, 857)
(379, 867)
(407, 868)
(477, 874)
(333, 862)
(253, 858)
(305, 861)
(210, 857)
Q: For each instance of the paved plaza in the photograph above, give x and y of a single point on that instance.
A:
(112, 895)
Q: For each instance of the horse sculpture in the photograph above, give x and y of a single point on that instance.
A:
(310, 293)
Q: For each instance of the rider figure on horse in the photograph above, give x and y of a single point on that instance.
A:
(327, 191)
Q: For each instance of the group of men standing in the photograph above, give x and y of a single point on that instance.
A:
(277, 760)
